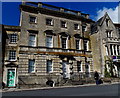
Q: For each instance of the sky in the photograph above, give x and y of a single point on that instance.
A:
(11, 12)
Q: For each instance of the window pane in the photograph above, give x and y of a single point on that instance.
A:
(77, 44)
(63, 24)
(12, 55)
(49, 66)
(13, 38)
(32, 40)
(76, 26)
(32, 19)
(85, 45)
(49, 42)
(64, 43)
(49, 22)
(78, 66)
(31, 67)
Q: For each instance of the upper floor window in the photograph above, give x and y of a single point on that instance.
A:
(13, 38)
(107, 22)
(111, 49)
(64, 43)
(12, 55)
(77, 44)
(84, 28)
(49, 21)
(49, 66)
(76, 27)
(118, 49)
(63, 24)
(109, 33)
(32, 40)
(49, 41)
(31, 66)
(33, 19)
(85, 45)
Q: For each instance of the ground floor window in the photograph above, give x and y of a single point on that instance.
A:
(31, 67)
(49, 66)
(79, 66)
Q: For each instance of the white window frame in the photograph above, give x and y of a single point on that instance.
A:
(49, 68)
(32, 65)
(29, 43)
(49, 42)
(12, 56)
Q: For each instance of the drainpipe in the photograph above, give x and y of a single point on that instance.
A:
(101, 55)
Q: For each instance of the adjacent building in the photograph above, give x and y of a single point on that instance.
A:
(105, 43)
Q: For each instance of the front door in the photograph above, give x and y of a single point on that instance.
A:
(11, 78)
(66, 70)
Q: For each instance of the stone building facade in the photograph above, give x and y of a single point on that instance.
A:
(54, 43)
(10, 47)
(51, 43)
(105, 39)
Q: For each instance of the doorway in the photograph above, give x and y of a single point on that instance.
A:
(11, 78)
(66, 70)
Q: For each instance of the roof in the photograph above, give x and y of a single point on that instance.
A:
(99, 23)
(11, 28)
(117, 25)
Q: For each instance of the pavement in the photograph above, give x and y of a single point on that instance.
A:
(28, 89)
